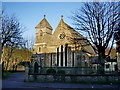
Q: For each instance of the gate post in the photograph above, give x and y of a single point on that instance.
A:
(26, 73)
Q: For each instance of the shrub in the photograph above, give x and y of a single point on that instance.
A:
(51, 71)
(22, 63)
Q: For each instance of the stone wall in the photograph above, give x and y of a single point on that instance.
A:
(72, 74)
(68, 70)
(77, 79)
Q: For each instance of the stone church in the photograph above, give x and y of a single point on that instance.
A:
(64, 47)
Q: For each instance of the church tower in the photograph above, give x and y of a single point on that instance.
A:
(43, 35)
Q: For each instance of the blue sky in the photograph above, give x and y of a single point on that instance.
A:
(31, 13)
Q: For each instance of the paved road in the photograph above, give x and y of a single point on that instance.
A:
(16, 80)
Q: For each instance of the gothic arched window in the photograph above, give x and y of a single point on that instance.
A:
(39, 49)
(66, 51)
(61, 55)
(57, 56)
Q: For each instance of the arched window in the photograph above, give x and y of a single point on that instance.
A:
(39, 49)
(57, 56)
(66, 51)
(73, 58)
(51, 60)
(61, 55)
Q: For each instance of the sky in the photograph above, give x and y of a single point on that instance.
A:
(31, 13)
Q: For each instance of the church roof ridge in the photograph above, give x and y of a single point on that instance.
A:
(44, 23)
(62, 23)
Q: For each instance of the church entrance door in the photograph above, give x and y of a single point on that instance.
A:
(36, 67)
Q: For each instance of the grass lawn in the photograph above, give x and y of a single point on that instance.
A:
(6, 74)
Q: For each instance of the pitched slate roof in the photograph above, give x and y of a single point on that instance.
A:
(44, 23)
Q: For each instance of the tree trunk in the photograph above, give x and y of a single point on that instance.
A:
(2, 69)
(0, 55)
(101, 61)
(6, 68)
(15, 67)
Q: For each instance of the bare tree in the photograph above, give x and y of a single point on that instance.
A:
(7, 54)
(117, 38)
(29, 42)
(99, 21)
(13, 55)
(0, 33)
(11, 32)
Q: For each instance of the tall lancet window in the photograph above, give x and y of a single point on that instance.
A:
(61, 55)
(39, 49)
(51, 59)
(66, 51)
(73, 58)
(57, 56)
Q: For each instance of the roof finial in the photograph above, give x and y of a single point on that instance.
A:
(61, 16)
(44, 16)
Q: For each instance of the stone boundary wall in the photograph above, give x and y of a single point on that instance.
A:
(75, 78)
(68, 70)
(76, 74)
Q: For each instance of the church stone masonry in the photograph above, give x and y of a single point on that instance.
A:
(64, 48)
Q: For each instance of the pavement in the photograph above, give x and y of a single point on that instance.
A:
(16, 80)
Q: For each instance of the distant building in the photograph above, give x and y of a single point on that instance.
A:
(118, 52)
(64, 48)
(111, 65)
